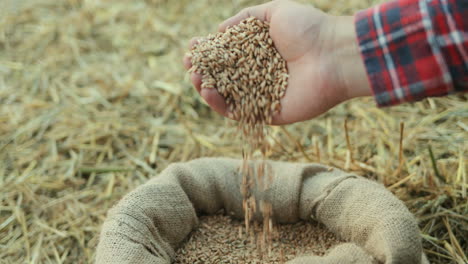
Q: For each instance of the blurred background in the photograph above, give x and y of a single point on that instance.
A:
(94, 101)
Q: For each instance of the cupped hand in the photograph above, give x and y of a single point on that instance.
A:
(322, 59)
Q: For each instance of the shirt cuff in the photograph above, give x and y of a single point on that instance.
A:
(401, 55)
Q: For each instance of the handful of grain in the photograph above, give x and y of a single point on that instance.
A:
(243, 65)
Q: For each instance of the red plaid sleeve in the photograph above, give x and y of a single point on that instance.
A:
(413, 49)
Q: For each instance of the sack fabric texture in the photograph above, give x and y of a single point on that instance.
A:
(149, 224)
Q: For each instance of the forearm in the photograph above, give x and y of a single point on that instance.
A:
(349, 63)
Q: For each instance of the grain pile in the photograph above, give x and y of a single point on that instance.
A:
(219, 239)
(243, 65)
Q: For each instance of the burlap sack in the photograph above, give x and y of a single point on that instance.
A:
(148, 224)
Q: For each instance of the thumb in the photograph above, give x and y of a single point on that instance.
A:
(262, 12)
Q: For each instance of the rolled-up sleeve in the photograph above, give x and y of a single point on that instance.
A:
(413, 49)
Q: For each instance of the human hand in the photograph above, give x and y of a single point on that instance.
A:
(321, 51)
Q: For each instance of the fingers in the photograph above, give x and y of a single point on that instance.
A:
(211, 96)
(215, 101)
(194, 77)
(196, 80)
(187, 58)
(261, 12)
(194, 41)
(187, 62)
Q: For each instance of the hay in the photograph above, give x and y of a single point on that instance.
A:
(94, 101)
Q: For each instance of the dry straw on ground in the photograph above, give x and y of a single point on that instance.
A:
(220, 239)
(94, 101)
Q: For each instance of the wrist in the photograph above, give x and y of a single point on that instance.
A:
(350, 69)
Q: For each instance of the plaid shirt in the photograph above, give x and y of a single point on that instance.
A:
(414, 49)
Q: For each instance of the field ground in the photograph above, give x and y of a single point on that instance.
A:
(94, 101)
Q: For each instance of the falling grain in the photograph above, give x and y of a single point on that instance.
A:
(243, 65)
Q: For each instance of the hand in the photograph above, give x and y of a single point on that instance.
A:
(321, 51)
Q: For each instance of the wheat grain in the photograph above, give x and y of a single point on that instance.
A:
(243, 65)
(221, 239)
